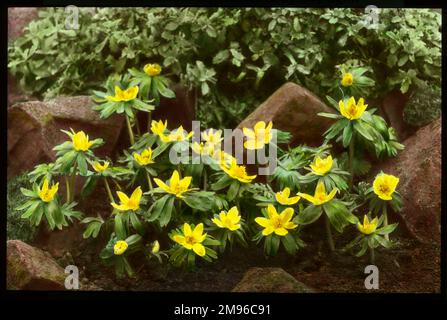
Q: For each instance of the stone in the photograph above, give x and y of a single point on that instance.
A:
(418, 167)
(294, 109)
(274, 280)
(34, 129)
(18, 19)
(29, 268)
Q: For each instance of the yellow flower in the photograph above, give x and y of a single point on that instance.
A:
(155, 247)
(321, 166)
(120, 247)
(192, 239)
(176, 185)
(236, 172)
(80, 141)
(144, 158)
(223, 158)
(100, 167)
(132, 203)
(367, 227)
(203, 149)
(152, 69)
(277, 223)
(123, 95)
(159, 127)
(228, 220)
(351, 110)
(211, 136)
(320, 196)
(259, 137)
(347, 79)
(48, 194)
(283, 197)
(178, 134)
(384, 186)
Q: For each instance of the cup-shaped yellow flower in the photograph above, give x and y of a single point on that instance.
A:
(277, 223)
(368, 227)
(132, 203)
(192, 239)
(155, 247)
(178, 135)
(158, 127)
(98, 167)
(384, 186)
(352, 110)
(212, 137)
(120, 247)
(320, 197)
(257, 138)
(81, 141)
(144, 158)
(206, 149)
(47, 194)
(347, 79)
(176, 185)
(152, 69)
(322, 166)
(123, 95)
(235, 171)
(229, 220)
(283, 197)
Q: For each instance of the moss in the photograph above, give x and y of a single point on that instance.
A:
(423, 107)
(16, 227)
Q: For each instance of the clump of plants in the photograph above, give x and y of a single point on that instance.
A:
(168, 185)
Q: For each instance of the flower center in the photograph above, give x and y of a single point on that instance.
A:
(190, 240)
(276, 222)
(384, 188)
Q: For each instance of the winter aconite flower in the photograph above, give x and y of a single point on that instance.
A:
(192, 239)
(368, 227)
(352, 110)
(120, 247)
(155, 247)
(283, 197)
(98, 167)
(47, 194)
(158, 127)
(236, 172)
(132, 203)
(347, 79)
(277, 223)
(320, 197)
(152, 69)
(257, 138)
(178, 135)
(123, 95)
(203, 149)
(384, 186)
(212, 137)
(176, 185)
(322, 166)
(80, 141)
(228, 220)
(144, 158)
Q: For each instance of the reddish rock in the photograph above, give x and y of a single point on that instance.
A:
(34, 129)
(294, 109)
(18, 19)
(274, 280)
(29, 268)
(419, 170)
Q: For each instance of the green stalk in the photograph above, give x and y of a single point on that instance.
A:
(205, 179)
(109, 192)
(72, 183)
(149, 182)
(67, 185)
(385, 221)
(179, 170)
(373, 256)
(129, 128)
(351, 160)
(149, 120)
(329, 234)
(117, 184)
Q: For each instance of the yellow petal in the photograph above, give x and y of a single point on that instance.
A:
(187, 230)
(179, 239)
(122, 196)
(198, 230)
(281, 231)
(199, 249)
(308, 197)
(271, 211)
(286, 215)
(136, 195)
(162, 185)
(268, 230)
(263, 222)
(217, 222)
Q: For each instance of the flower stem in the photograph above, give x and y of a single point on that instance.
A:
(373, 256)
(72, 183)
(329, 234)
(109, 192)
(149, 182)
(129, 128)
(385, 221)
(179, 167)
(149, 120)
(351, 160)
(205, 179)
(67, 185)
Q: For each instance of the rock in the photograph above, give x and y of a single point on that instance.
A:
(418, 167)
(18, 19)
(15, 93)
(294, 109)
(34, 129)
(392, 109)
(274, 280)
(29, 268)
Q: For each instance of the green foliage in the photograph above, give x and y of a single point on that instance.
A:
(424, 106)
(17, 228)
(234, 57)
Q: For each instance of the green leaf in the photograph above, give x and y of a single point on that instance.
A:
(120, 229)
(309, 215)
(347, 135)
(233, 190)
(136, 223)
(339, 215)
(362, 128)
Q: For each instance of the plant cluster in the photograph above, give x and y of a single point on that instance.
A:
(225, 54)
(207, 202)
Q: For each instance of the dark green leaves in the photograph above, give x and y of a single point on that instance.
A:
(309, 215)
(339, 215)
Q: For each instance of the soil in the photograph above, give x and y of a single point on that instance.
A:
(409, 267)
